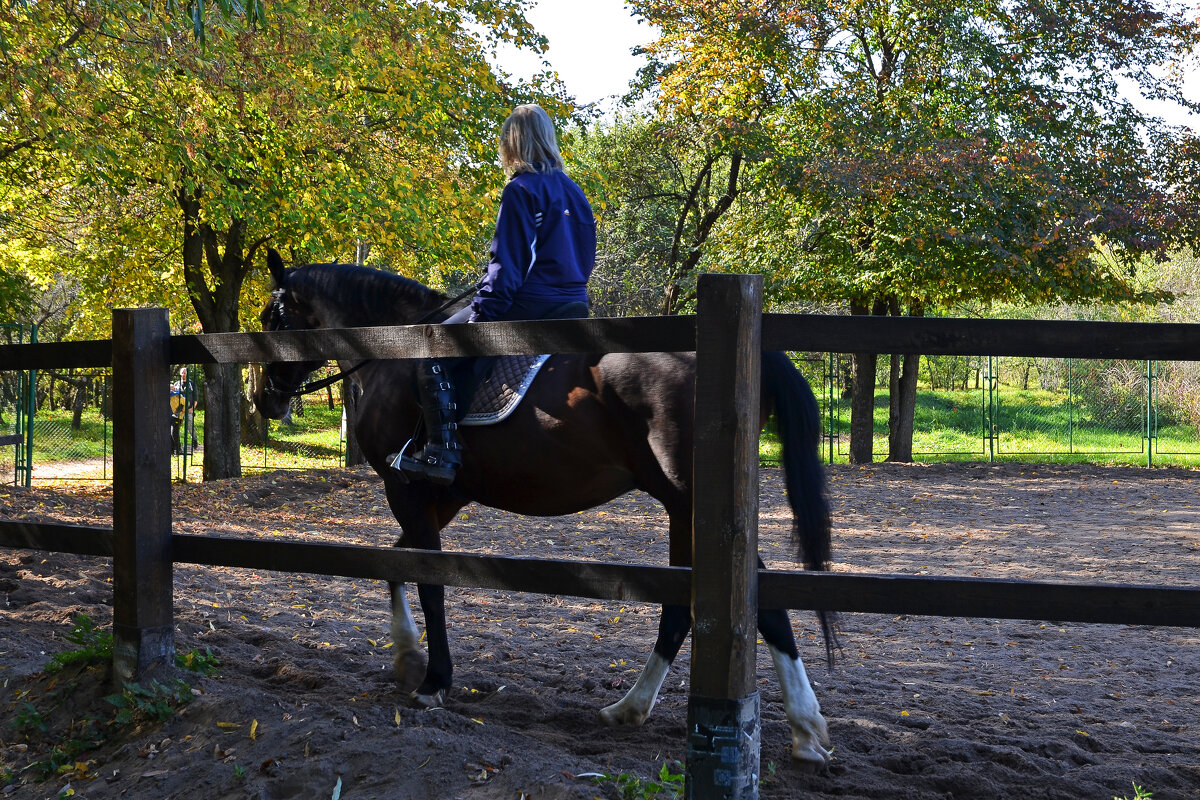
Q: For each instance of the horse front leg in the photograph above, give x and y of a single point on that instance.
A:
(432, 691)
(810, 734)
(431, 679)
(421, 517)
(409, 661)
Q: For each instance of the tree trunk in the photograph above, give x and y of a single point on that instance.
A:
(895, 411)
(350, 397)
(222, 422)
(254, 425)
(80, 401)
(903, 397)
(862, 400)
(214, 281)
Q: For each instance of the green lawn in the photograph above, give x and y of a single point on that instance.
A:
(1031, 425)
(313, 442)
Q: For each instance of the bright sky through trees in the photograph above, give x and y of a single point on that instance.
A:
(590, 47)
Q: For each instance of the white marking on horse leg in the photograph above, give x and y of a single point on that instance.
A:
(404, 627)
(810, 735)
(634, 707)
(409, 663)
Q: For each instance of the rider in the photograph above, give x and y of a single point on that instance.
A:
(541, 258)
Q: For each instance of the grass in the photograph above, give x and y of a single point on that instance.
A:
(670, 784)
(313, 442)
(1030, 425)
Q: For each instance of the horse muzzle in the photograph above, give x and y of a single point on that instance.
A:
(272, 403)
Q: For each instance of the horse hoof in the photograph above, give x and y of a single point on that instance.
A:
(616, 716)
(810, 756)
(429, 700)
(409, 668)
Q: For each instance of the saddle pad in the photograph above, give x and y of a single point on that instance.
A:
(500, 392)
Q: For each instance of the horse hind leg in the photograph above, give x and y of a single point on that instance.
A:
(633, 709)
(674, 622)
(810, 734)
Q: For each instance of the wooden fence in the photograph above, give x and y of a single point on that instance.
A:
(724, 589)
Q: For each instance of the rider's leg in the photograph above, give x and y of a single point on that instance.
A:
(438, 461)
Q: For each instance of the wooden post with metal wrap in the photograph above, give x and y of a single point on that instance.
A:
(723, 709)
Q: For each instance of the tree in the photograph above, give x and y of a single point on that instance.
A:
(160, 163)
(934, 153)
(664, 186)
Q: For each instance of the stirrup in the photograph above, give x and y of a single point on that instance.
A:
(437, 471)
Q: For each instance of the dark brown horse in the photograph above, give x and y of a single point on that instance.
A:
(601, 425)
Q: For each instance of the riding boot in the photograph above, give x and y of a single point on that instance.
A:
(438, 461)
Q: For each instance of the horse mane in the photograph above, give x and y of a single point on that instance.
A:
(363, 296)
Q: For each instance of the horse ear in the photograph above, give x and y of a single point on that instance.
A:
(275, 265)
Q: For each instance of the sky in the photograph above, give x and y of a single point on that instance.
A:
(590, 45)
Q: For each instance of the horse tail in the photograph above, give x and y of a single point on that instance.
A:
(799, 420)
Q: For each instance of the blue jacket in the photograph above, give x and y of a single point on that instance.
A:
(543, 252)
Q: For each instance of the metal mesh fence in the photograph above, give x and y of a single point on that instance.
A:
(312, 435)
(1030, 409)
(72, 432)
(11, 392)
(968, 408)
(72, 427)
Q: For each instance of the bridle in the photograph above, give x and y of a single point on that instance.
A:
(280, 311)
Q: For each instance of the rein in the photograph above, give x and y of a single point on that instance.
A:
(445, 305)
(315, 386)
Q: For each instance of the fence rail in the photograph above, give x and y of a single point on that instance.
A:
(869, 594)
(726, 336)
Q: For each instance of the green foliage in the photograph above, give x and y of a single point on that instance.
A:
(202, 663)
(660, 189)
(154, 703)
(28, 719)
(1138, 794)
(630, 787)
(61, 758)
(95, 646)
(934, 153)
(54, 751)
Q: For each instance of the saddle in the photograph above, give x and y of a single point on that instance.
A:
(491, 387)
(489, 398)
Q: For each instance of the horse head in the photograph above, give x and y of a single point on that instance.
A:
(284, 311)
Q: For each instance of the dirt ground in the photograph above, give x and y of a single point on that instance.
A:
(303, 704)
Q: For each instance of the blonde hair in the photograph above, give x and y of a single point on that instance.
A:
(528, 142)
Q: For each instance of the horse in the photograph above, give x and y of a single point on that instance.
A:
(602, 425)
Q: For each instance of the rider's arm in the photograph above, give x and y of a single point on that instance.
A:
(513, 251)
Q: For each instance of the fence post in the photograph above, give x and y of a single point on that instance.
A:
(1151, 421)
(29, 401)
(723, 707)
(142, 613)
